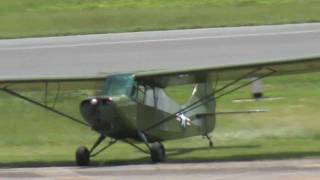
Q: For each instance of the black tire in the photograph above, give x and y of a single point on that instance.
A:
(157, 152)
(82, 156)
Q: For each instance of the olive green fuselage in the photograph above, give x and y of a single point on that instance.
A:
(124, 108)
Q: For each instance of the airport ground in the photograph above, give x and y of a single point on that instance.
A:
(32, 137)
(298, 169)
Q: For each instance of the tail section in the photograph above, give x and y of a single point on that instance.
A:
(204, 115)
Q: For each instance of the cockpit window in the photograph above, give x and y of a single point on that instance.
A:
(117, 85)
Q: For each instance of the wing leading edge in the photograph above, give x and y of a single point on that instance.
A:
(65, 83)
(172, 77)
(232, 72)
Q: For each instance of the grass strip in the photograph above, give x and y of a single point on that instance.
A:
(52, 18)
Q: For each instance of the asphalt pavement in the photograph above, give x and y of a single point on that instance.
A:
(145, 51)
(299, 169)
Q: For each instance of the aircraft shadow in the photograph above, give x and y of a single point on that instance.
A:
(179, 151)
(173, 153)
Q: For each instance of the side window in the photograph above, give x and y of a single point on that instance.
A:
(141, 94)
(138, 93)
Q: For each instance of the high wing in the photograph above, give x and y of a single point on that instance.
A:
(173, 77)
(64, 83)
(231, 72)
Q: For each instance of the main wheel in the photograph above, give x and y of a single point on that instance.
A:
(82, 156)
(157, 152)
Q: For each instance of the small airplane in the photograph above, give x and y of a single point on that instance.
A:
(134, 107)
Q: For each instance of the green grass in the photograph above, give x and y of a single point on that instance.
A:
(59, 17)
(291, 129)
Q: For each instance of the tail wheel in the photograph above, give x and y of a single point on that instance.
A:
(82, 156)
(157, 152)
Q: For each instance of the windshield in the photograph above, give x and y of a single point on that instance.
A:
(117, 85)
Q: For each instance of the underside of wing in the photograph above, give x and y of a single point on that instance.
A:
(232, 72)
(63, 83)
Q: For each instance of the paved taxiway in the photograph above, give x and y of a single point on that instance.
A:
(123, 52)
(305, 169)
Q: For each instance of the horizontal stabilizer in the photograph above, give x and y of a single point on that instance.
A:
(233, 112)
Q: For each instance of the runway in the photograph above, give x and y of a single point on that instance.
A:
(304, 169)
(145, 51)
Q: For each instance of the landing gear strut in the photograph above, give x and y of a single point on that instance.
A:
(210, 140)
(156, 149)
(83, 154)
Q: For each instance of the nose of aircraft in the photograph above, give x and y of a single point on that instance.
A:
(98, 112)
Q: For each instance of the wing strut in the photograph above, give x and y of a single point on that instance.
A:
(213, 96)
(15, 94)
